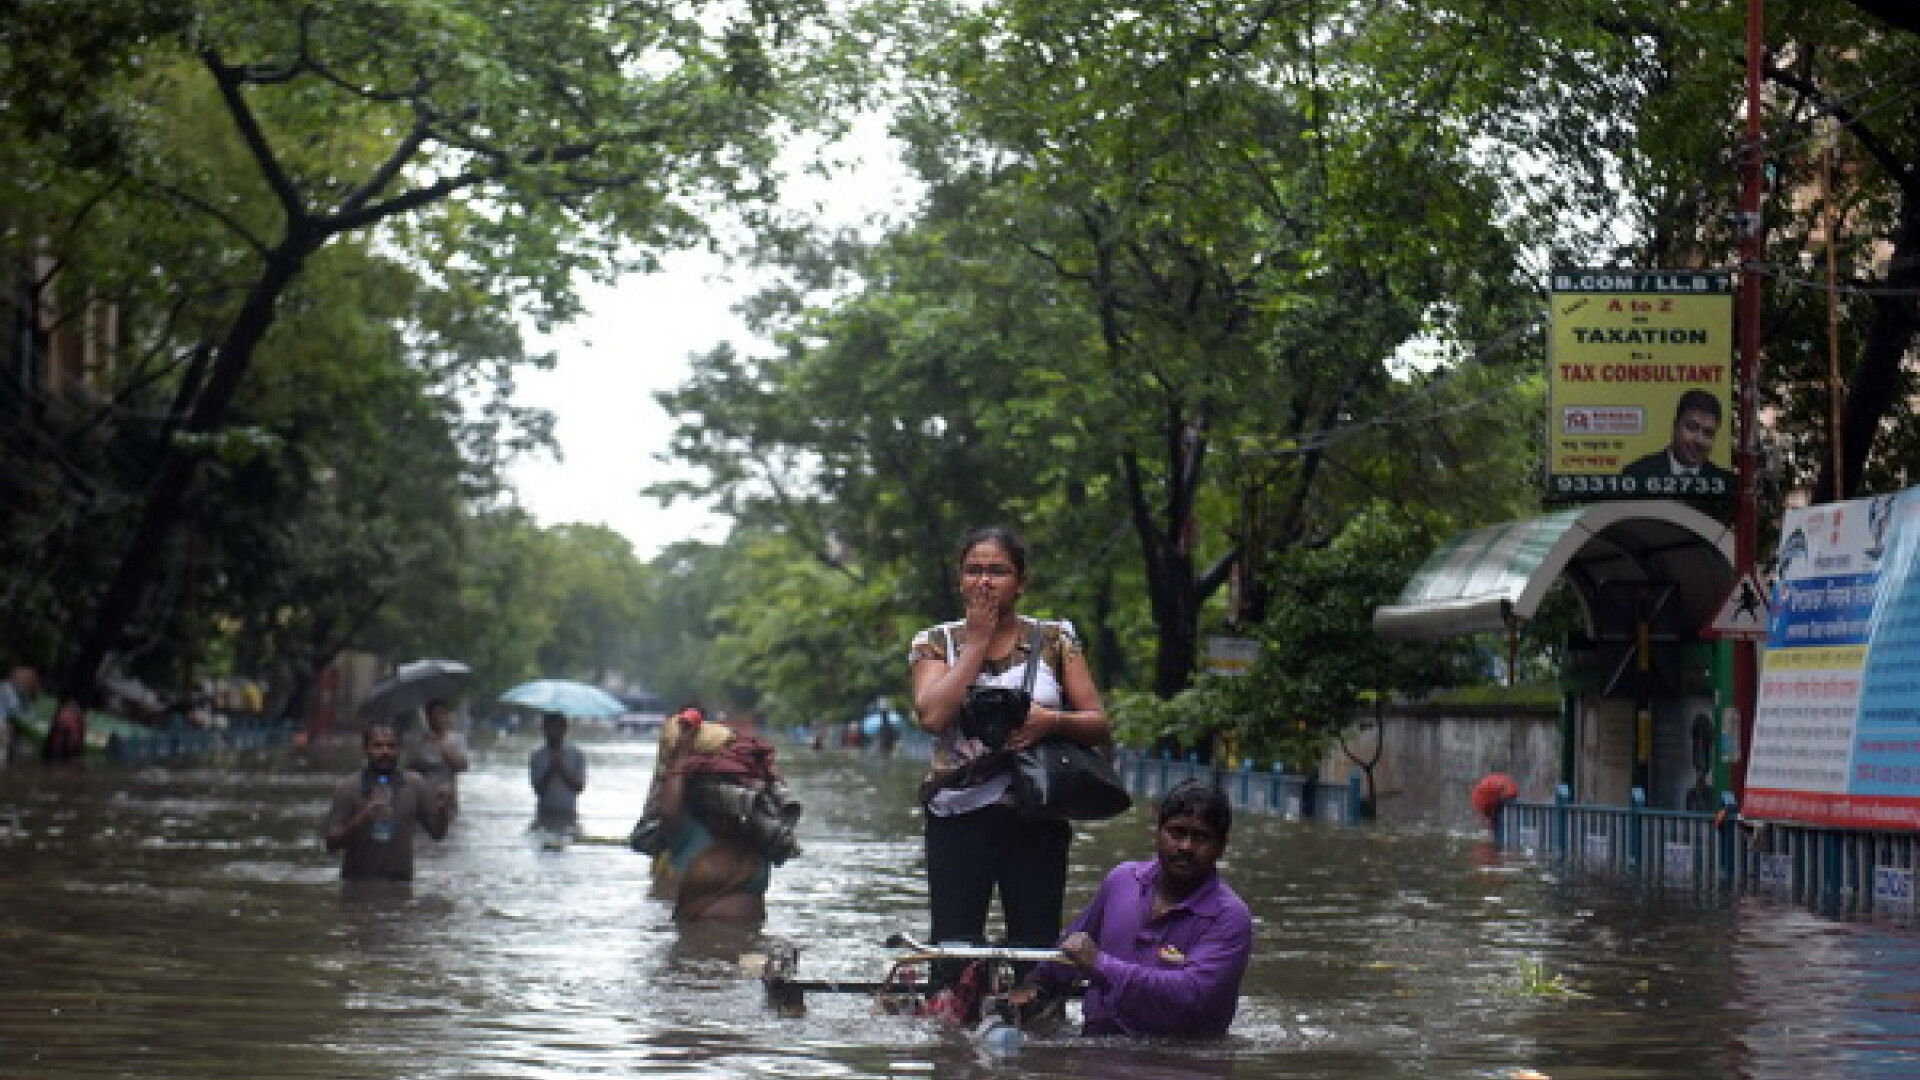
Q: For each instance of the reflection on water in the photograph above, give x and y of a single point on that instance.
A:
(185, 923)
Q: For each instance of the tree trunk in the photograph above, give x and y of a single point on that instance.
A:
(1876, 384)
(166, 494)
(1110, 660)
(1172, 592)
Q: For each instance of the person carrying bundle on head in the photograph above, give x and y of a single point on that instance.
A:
(718, 819)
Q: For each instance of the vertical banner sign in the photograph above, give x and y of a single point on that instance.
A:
(1639, 384)
(1835, 740)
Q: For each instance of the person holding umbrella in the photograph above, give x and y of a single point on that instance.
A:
(440, 753)
(416, 684)
(559, 773)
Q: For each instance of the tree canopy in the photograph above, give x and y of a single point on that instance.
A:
(188, 163)
(1266, 272)
(1232, 306)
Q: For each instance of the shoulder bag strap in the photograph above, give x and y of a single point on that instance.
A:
(1036, 640)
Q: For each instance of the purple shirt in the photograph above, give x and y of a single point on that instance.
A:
(1178, 974)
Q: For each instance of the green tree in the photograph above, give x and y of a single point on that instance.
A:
(811, 643)
(1835, 77)
(349, 499)
(501, 607)
(1224, 186)
(889, 421)
(1318, 655)
(680, 655)
(1263, 268)
(1633, 114)
(1132, 318)
(513, 148)
(599, 586)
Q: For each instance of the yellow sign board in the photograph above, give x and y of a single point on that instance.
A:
(1640, 384)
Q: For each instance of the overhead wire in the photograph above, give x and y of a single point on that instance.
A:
(1899, 84)
(1777, 273)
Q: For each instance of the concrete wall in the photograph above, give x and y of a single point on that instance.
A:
(1429, 758)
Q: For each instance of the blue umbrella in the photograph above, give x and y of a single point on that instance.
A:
(871, 723)
(565, 697)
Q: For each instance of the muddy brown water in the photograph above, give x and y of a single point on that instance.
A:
(183, 922)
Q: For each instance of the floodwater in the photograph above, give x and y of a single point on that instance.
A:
(184, 922)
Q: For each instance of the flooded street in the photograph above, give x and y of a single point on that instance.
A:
(184, 922)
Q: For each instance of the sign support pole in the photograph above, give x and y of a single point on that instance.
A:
(1746, 668)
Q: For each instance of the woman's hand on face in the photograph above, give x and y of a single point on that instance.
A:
(983, 615)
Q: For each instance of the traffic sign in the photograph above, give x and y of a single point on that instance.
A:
(1744, 615)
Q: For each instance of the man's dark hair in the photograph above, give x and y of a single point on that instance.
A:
(1697, 400)
(1197, 798)
(379, 724)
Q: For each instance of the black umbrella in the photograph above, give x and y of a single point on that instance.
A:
(413, 685)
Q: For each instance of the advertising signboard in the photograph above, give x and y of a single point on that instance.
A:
(1639, 384)
(1835, 740)
(1232, 655)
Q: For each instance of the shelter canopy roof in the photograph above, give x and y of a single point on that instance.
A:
(1493, 578)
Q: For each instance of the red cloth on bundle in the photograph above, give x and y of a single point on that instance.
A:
(744, 758)
(1493, 790)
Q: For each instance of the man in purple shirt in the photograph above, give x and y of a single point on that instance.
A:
(1164, 943)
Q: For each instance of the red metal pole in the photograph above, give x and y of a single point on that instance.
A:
(1746, 668)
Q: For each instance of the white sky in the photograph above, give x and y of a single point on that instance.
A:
(635, 339)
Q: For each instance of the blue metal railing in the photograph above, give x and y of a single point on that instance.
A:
(1830, 869)
(1678, 848)
(1254, 791)
(164, 745)
(1835, 870)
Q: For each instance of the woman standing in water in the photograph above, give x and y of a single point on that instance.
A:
(976, 842)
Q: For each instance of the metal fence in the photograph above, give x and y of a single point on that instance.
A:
(1679, 848)
(1833, 870)
(136, 748)
(1250, 790)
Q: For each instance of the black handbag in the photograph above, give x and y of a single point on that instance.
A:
(993, 713)
(1058, 778)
